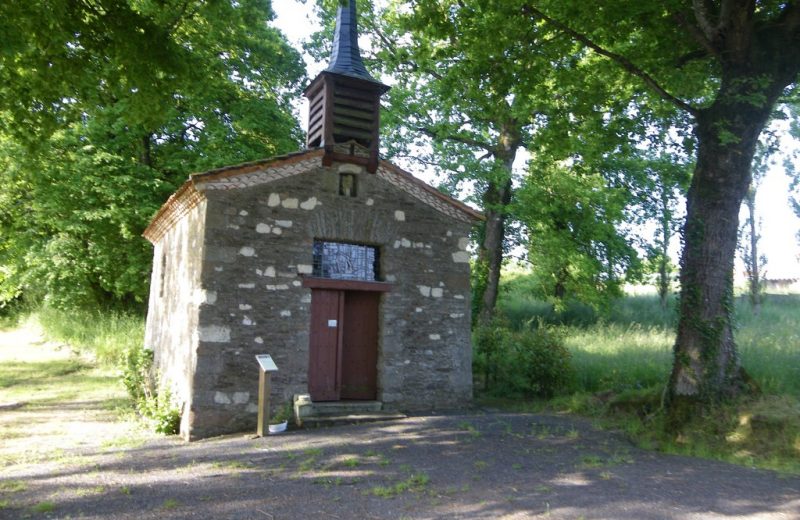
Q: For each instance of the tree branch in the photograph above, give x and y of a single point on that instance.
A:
(702, 15)
(391, 47)
(455, 137)
(699, 36)
(620, 60)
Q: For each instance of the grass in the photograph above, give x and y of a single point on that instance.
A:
(631, 346)
(44, 507)
(12, 486)
(414, 483)
(50, 381)
(170, 503)
(103, 335)
(43, 377)
(622, 361)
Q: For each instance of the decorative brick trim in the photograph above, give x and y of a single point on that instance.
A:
(179, 204)
(254, 177)
(427, 194)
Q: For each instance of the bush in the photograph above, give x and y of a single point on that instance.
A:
(136, 373)
(542, 360)
(533, 363)
(154, 404)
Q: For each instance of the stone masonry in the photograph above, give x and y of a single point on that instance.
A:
(231, 250)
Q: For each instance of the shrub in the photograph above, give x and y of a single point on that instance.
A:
(159, 410)
(154, 404)
(136, 373)
(526, 363)
(489, 342)
(542, 360)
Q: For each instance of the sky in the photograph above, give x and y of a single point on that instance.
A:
(779, 225)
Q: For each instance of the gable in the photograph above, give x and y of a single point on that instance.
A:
(267, 171)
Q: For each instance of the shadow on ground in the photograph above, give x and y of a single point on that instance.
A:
(482, 465)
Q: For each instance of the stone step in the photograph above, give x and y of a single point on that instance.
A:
(319, 421)
(329, 413)
(345, 407)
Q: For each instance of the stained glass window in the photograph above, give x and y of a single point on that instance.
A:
(343, 261)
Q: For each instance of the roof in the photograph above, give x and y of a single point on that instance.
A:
(190, 194)
(346, 56)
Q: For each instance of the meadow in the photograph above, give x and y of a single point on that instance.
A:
(630, 345)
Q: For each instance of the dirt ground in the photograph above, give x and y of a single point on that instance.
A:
(71, 459)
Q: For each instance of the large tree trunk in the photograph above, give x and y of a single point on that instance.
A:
(496, 200)
(706, 368)
(757, 61)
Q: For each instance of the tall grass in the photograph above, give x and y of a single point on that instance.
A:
(769, 343)
(629, 345)
(616, 357)
(105, 335)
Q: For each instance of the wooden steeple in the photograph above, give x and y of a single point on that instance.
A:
(344, 100)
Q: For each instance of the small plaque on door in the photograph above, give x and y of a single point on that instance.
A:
(332, 323)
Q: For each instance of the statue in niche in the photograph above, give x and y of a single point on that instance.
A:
(347, 185)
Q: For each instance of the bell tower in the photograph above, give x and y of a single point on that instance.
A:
(344, 100)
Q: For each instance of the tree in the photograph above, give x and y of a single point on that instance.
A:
(575, 246)
(749, 234)
(659, 174)
(90, 152)
(753, 261)
(476, 118)
(725, 63)
(477, 101)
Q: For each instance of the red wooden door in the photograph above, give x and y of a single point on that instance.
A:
(343, 345)
(360, 345)
(325, 338)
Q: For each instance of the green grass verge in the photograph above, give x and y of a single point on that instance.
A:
(622, 363)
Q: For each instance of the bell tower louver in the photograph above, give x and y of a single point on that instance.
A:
(344, 100)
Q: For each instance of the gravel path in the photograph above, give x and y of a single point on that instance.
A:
(458, 466)
(476, 465)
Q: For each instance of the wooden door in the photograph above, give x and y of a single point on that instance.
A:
(360, 345)
(324, 352)
(343, 345)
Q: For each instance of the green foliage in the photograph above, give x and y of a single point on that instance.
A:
(106, 108)
(137, 376)
(521, 305)
(161, 413)
(282, 413)
(630, 345)
(154, 404)
(532, 363)
(574, 244)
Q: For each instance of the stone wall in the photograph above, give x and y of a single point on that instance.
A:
(172, 317)
(258, 248)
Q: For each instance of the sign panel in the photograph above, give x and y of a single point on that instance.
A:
(332, 323)
(266, 363)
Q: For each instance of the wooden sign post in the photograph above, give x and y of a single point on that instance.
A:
(266, 367)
